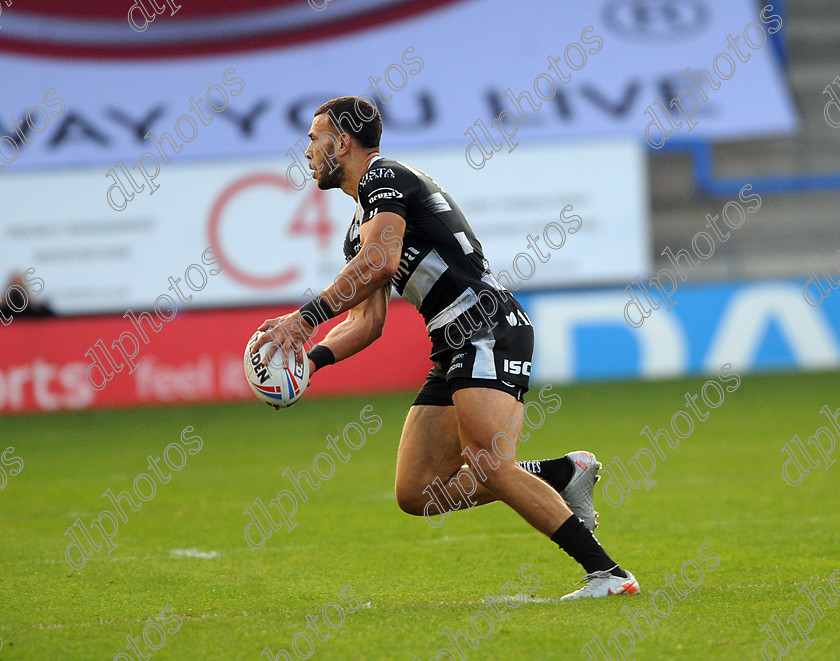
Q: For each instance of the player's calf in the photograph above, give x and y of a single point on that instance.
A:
(499, 480)
(465, 495)
(481, 462)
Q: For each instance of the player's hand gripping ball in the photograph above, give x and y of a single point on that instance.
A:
(276, 384)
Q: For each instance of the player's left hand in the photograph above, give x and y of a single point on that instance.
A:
(289, 332)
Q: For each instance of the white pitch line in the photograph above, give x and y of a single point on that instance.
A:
(194, 553)
(82, 625)
(188, 616)
(501, 600)
(211, 616)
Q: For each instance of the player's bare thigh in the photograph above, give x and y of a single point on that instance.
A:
(429, 448)
(488, 420)
(434, 437)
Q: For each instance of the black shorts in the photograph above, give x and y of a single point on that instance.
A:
(481, 348)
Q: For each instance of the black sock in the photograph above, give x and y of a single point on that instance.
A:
(557, 472)
(577, 540)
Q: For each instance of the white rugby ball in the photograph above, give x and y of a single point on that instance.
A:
(274, 383)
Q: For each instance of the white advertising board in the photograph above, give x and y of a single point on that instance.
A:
(275, 242)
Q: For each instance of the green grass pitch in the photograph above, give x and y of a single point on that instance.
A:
(185, 548)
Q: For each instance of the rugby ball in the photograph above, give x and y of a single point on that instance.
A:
(275, 383)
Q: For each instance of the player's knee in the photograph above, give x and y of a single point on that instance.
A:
(409, 501)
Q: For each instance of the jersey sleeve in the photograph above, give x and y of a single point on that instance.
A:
(386, 188)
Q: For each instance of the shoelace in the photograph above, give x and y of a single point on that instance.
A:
(601, 573)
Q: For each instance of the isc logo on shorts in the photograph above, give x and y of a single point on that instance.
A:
(518, 367)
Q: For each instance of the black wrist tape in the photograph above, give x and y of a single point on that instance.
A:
(321, 356)
(317, 309)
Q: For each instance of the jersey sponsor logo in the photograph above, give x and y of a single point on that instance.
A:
(517, 367)
(384, 194)
(377, 173)
(522, 321)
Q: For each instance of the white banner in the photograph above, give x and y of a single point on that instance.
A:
(591, 69)
(547, 215)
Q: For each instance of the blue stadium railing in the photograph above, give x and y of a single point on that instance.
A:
(703, 158)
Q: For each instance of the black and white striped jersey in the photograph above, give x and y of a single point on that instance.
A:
(442, 267)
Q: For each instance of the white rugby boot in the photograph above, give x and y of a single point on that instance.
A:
(604, 584)
(578, 493)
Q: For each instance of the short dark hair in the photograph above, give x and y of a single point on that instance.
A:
(357, 116)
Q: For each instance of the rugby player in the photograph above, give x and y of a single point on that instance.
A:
(409, 234)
